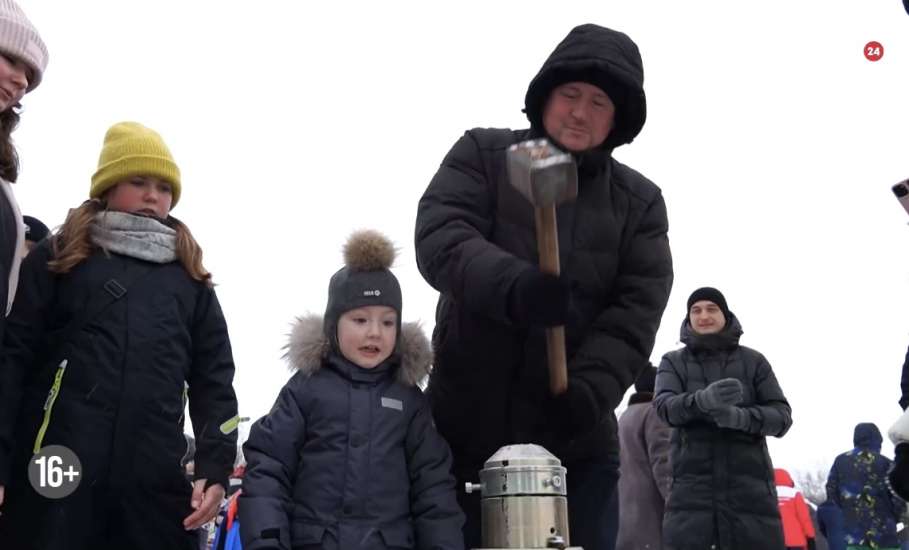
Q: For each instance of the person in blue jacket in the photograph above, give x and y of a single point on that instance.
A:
(349, 456)
(857, 483)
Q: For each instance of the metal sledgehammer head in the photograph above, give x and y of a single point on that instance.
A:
(543, 173)
(546, 176)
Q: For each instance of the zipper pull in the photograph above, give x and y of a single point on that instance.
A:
(56, 386)
(50, 397)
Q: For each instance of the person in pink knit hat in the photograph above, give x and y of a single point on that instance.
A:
(23, 58)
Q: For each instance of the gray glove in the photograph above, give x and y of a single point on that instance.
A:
(721, 393)
(734, 418)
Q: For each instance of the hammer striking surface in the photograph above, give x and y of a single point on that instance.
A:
(546, 176)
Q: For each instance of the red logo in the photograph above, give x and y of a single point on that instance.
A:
(874, 51)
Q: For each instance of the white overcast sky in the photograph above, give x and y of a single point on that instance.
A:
(774, 140)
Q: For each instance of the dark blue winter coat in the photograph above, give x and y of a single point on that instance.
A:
(858, 485)
(349, 457)
(118, 401)
(121, 398)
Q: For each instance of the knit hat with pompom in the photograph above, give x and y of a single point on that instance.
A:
(365, 280)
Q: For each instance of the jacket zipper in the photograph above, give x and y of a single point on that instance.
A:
(184, 400)
(49, 405)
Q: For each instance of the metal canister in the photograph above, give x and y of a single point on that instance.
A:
(523, 503)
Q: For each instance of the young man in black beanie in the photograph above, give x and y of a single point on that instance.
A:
(724, 399)
(476, 244)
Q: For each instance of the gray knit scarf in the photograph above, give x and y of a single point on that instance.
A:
(135, 236)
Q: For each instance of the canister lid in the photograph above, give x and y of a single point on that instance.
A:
(521, 455)
(522, 470)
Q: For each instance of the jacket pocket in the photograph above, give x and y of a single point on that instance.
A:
(49, 406)
(399, 535)
(679, 441)
(769, 478)
(305, 533)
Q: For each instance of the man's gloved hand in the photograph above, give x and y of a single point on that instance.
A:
(538, 298)
(811, 545)
(899, 471)
(721, 393)
(575, 411)
(734, 418)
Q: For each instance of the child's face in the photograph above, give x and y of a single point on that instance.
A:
(141, 195)
(13, 81)
(367, 335)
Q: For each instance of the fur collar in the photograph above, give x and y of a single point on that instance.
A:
(308, 346)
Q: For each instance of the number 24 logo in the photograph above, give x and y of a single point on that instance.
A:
(874, 51)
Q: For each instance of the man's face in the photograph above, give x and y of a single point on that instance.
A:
(706, 317)
(579, 116)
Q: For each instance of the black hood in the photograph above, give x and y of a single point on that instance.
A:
(605, 58)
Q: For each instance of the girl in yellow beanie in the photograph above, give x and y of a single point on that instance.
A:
(115, 326)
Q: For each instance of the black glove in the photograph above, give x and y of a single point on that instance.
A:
(575, 412)
(811, 544)
(899, 471)
(721, 393)
(734, 418)
(538, 298)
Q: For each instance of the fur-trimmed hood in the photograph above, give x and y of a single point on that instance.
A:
(308, 346)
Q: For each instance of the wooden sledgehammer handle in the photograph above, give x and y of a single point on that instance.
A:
(548, 248)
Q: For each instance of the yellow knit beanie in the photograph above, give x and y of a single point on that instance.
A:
(131, 149)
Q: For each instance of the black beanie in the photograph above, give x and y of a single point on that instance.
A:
(711, 295)
(646, 381)
(34, 229)
(365, 280)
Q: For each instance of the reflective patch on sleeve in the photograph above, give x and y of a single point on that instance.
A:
(390, 403)
(230, 425)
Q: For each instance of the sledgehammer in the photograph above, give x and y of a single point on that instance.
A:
(546, 176)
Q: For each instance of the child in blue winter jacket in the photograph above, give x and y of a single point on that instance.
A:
(349, 457)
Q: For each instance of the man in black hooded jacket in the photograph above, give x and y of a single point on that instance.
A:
(476, 245)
